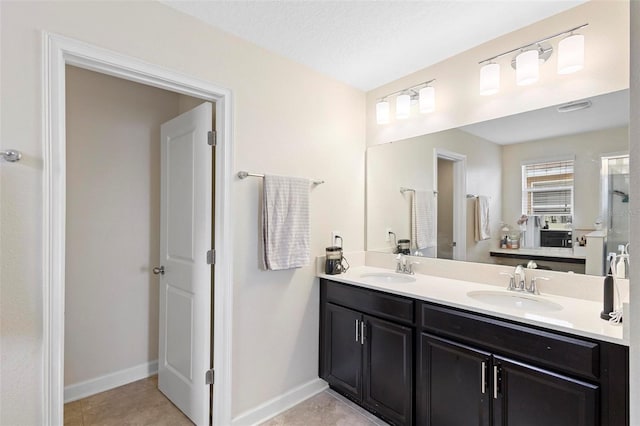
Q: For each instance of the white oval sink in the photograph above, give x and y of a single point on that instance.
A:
(387, 278)
(514, 300)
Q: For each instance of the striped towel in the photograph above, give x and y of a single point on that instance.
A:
(285, 222)
(481, 223)
(423, 232)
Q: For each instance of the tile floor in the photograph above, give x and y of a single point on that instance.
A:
(327, 408)
(138, 403)
(141, 403)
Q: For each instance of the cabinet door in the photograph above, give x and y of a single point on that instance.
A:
(342, 350)
(388, 377)
(528, 395)
(453, 384)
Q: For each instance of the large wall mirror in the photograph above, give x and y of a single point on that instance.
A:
(547, 188)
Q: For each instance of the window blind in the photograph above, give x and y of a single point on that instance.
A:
(547, 188)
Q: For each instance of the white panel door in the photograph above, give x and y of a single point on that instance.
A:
(185, 237)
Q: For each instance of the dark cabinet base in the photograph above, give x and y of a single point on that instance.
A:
(416, 363)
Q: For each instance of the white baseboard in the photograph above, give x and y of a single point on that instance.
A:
(109, 381)
(277, 405)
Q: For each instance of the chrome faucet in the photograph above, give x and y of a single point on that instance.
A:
(519, 278)
(404, 267)
(401, 263)
(533, 288)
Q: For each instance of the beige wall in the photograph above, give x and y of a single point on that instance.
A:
(287, 120)
(457, 99)
(409, 163)
(113, 222)
(586, 148)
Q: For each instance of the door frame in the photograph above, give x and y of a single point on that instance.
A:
(459, 199)
(57, 52)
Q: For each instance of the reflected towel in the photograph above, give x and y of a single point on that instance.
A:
(482, 231)
(423, 232)
(285, 222)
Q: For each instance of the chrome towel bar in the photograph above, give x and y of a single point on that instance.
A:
(244, 175)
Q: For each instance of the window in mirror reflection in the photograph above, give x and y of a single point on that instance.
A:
(547, 204)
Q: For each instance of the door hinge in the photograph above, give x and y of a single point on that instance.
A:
(212, 138)
(209, 377)
(211, 257)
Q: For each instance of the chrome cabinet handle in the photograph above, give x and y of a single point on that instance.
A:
(483, 386)
(495, 382)
(362, 329)
(158, 271)
(357, 330)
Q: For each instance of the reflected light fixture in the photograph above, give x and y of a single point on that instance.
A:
(489, 79)
(423, 93)
(403, 106)
(527, 61)
(571, 54)
(382, 111)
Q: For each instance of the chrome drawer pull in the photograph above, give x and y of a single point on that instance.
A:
(357, 330)
(495, 382)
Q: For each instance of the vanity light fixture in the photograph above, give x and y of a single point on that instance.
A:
(427, 96)
(527, 67)
(530, 56)
(424, 93)
(571, 54)
(489, 79)
(382, 111)
(403, 106)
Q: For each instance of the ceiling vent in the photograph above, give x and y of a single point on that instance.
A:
(574, 106)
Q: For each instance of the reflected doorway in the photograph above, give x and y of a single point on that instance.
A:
(450, 183)
(445, 240)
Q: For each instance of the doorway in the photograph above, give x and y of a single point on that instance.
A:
(58, 52)
(113, 214)
(449, 170)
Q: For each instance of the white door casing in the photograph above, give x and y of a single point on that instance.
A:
(185, 237)
(57, 52)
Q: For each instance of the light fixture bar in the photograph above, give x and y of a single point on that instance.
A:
(569, 31)
(419, 85)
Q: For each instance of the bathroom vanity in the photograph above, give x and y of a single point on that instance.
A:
(423, 352)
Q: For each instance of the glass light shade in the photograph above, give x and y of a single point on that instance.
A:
(403, 106)
(527, 67)
(382, 112)
(427, 99)
(571, 54)
(489, 79)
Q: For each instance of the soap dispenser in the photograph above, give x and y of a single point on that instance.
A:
(621, 265)
(607, 299)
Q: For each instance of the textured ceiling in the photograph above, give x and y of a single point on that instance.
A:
(369, 43)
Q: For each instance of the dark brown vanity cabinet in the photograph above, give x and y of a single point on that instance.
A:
(418, 363)
(460, 385)
(366, 349)
(478, 370)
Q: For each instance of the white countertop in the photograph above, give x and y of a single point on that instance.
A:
(577, 316)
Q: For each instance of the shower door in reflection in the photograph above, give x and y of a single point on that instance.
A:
(615, 200)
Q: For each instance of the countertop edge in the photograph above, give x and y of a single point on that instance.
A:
(496, 313)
